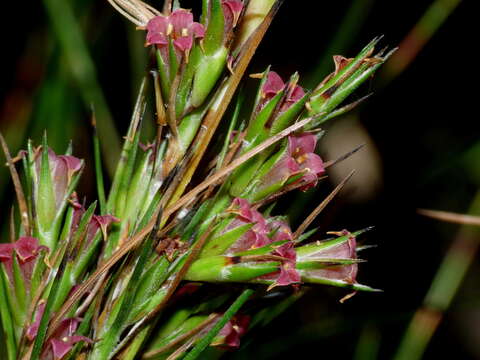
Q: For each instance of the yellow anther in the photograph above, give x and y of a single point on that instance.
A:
(169, 29)
(301, 158)
(184, 32)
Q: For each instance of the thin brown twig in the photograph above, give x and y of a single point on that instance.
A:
(22, 203)
(321, 206)
(451, 217)
(178, 340)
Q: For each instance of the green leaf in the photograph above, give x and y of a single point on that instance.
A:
(19, 286)
(214, 34)
(218, 245)
(208, 338)
(207, 74)
(45, 204)
(125, 156)
(43, 326)
(7, 321)
(223, 269)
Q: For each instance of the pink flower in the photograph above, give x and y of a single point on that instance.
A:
(301, 148)
(273, 85)
(97, 222)
(300, 158)
(62, 340)
(231, 12)
(62, 169)
(288, 273)
(255, 237)
(230, 334)
(178, 26)
(26, 249)
(101, 222)
(343, 250)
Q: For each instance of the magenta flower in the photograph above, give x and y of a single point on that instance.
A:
(273, 85)
(299, 159)
(344, 251)
(26, 249)
(255, 237)
(62, 169)
(301, 148)
(233, 330)
(231, 13)
(97, 222)
(178, 26)
(62, 340)
(288, 273)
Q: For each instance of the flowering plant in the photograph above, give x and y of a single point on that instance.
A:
(179, 220)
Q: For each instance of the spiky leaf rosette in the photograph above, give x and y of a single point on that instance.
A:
(187, 212)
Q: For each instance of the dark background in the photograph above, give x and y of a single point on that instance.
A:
(421, 123)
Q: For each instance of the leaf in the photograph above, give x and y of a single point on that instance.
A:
(208, 338)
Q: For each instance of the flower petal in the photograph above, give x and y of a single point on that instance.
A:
(183, 43)
(301, 144)
(273, 85)
(181, 19)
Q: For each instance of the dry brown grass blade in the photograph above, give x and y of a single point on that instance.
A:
(181, 350)
(22, 203)
(233, 165)
(451, 217)
(306, 223)
(178, 340)
(13, 235)
(219, 106)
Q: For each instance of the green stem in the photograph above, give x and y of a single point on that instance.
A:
(444, 287)
(418, 37)
(207, 339)
(82, 68)
(99, 173)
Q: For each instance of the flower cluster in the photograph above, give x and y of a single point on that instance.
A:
(90, 281)
(265, 232)
(274, 85)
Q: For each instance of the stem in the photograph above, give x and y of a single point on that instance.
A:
(444, 287)
(82, 68)
(419, 36)
(207, 339)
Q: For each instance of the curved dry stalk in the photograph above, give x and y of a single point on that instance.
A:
(22, 203)
(136, 11)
